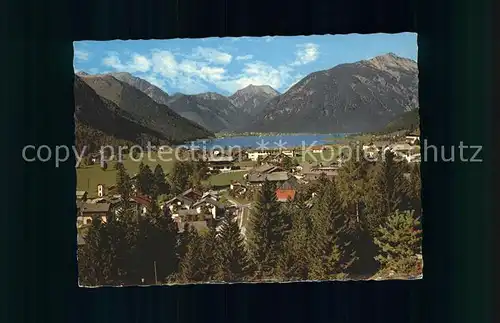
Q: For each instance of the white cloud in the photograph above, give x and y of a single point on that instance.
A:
(81, 55)
(188, 75)
(205, 67)
(137, 63)
(256, 73)
(153, 79)
(212, 55)
(201, 70)
(140, 63)
(244, 57)
(296, 79)
(164, 63)
(306, 53)
(113, 61)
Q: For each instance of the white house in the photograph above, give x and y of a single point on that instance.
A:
(208, 204)
(254, 155)
(87, 212)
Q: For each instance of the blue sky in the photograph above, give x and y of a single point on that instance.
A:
(225, 65)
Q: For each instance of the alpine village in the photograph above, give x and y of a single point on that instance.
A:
(279, 214)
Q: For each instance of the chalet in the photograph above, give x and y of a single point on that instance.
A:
(211, 194)
(237, 188)
(191, 194)
(90, 211)
(277, 177)
(266, 169)
(81, 195)
(306, 167)
(236, 185)
(254, 155)
(141, 204)
(284, 195)
(178, 203)
(209, 206)
(316, 174)
(223, 163)
(401, 148)
(275, 158)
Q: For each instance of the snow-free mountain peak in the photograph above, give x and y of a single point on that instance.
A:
(154, 92)
(250, 98)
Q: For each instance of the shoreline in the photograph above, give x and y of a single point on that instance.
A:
(269, 134)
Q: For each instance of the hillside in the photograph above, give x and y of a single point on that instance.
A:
(213, 111)
(147, 112)
(154, 92)
(101, 122)
(407, 121)
(355, 97)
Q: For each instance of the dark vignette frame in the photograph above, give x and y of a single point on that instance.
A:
(38, 238)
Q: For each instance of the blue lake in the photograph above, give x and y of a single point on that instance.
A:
(277, 141)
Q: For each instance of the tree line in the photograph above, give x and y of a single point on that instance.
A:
(364, 222)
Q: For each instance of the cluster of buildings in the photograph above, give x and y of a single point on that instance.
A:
(190, 208)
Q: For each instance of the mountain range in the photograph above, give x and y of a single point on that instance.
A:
(123, 112)
(355, 97)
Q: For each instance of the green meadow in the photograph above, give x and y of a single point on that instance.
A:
(88, 177)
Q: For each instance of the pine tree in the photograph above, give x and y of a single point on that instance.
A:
(234, 264)
(328, 258)
(355, 239)
(267, 232)
(399, 241)
(210, 255)
(123, 182)
(124, 188)
(179, 177)
(287, 163)
(295, 259)
(98, 258)
(352, 186)
(189, 264)
(386, 192)
(164, 234)
(414, 189)
(160, 185)
(198, 172)
(145, 180)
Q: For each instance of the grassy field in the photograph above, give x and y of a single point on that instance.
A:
(226, 178)
(89, 177)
